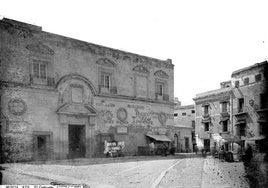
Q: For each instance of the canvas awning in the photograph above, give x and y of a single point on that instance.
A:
(162, 138)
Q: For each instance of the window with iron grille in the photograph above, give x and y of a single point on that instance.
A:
(105, 80)
(183, 114)
(160, 89)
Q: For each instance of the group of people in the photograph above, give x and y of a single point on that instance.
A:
(237, 154)
(162, 148)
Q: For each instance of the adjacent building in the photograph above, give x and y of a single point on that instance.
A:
(62, 97)
(213, 115)
(250, 104)
(184, 120)
(236, 111)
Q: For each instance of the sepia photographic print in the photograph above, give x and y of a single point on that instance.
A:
(133, 94)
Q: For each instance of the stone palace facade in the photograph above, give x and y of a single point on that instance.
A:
(62, 98)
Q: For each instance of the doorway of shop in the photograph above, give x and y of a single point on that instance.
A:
(77, 139)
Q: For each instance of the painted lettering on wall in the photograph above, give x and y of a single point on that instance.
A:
(105, 105)
(142, 118)
(135, 106)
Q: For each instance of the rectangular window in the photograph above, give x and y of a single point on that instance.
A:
(223, 106)
(193, 136)
(205, 110)
(36, 70)
(160, 89)
(258, 77)
(263, 100)
(175, 115)
(242, 130)
(246, 81)
(240, 105)
(193, 111)
(105, 81)
(39, 70)
(193, 124)
(183, 114)
(237, 83)
(207, 144)
(206, 126)
(43, 71)
(186, 143)
(225, 126)
(263, 128)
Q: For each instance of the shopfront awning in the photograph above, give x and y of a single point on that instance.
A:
(162, 138)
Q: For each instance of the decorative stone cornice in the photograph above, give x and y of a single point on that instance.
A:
(40, 48)
(106, 62)
(77, 109)
(141, 69)
(161, 74)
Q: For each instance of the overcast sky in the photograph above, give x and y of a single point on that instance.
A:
(206, 39)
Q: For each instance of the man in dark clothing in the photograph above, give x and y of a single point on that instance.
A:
(248, 154)
(247, 157)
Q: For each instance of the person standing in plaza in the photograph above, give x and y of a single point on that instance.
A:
(152, 148)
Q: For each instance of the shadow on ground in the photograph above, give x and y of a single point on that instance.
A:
(92, 161)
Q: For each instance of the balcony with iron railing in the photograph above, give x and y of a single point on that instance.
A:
(161, 97)
(107, 90)
(206, 115)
